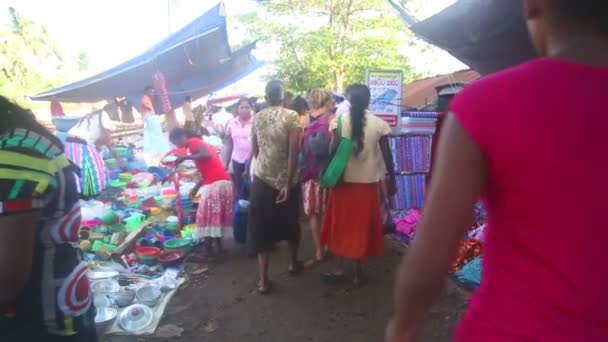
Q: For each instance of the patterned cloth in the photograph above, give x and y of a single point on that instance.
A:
(469, 250)
(214, 213)
(56, 303)
(93, 177)
(314, 198)
(272, 127)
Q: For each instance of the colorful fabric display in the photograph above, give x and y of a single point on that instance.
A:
(418, 125)
(427, 115)
(469, 250)
(406, 225)
(470, 274)
(478, 233)
(411, 153)
(410, 191)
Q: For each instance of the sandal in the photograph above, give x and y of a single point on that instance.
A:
(296, 268)
(263, 290)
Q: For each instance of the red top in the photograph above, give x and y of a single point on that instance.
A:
(212, 169)
(542, 129)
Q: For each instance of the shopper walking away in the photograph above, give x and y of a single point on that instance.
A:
(353, 225)
(214, 214)
(44, 291)
(238, 142)
(155, 143)
(275, 193)
(313, 159)
(543, 273)
(93, 131)
(300, 106)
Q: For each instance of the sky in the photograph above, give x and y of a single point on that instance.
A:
(112, 31)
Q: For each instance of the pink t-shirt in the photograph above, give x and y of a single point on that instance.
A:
(241, 139)
(543, 130)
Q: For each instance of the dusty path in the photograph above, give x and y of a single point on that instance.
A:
(221, 305)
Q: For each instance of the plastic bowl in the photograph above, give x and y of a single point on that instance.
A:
(124, 297)
(172, 258)
(104, 319)
(148, 295)
(178, 245)
(147, 255)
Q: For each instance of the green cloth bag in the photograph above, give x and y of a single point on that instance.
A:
(335, 169)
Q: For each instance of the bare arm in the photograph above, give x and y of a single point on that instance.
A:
(229, 144)
(201, 154)
(17, 234)
(457, 181)
(295, 139)
(255, 146)
(388, 161)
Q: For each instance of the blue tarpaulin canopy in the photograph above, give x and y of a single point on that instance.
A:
(195, 61)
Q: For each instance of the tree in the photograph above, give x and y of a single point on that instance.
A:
(83, 61)
(327, 43)
(29, 61)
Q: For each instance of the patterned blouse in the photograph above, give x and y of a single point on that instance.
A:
(272, 127)
(36, 176)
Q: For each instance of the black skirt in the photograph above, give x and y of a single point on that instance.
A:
(269, 222)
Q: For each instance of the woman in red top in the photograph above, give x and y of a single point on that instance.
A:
(214, 213)
(532, 141)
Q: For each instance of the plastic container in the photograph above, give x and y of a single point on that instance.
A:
(147, 255)
(134, 221)
(177, 245)
(117, 184)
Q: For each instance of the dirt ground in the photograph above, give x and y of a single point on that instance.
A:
(221, 304)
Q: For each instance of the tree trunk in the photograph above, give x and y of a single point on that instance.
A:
(339, 81)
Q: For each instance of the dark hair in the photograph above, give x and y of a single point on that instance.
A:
(275, 93)
(204, 131)
(14, 116)
(299, 105)
(178, 132)
(244, 99)
(590, 12)
(359, 102)
(149, 87)
(188, 99)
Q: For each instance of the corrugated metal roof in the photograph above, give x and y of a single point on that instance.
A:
(421, 93)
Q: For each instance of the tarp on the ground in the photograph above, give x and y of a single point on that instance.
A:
(194, 60)
(487, 35)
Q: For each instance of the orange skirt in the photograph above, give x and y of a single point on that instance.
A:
(353, 224)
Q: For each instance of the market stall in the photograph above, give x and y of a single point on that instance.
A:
(412, 149)
(136, 236)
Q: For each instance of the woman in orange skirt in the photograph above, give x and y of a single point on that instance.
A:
(353, 225)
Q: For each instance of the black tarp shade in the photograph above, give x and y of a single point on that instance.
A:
(487, 35)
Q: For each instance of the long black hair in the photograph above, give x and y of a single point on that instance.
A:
(359, 102)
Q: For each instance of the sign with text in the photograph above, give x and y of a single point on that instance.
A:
(386, 87)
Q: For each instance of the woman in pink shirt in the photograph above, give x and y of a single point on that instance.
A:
(238, 141)
(532, 142)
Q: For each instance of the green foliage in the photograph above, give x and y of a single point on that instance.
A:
(327, 43)
(29, 61)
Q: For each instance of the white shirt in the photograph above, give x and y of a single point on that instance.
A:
(368, 166)
(343, 107)
(91, 127)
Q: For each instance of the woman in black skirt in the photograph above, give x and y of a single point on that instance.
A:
(275, 194)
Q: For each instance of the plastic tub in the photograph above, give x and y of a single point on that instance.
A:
(147, 255)
(178, 245)
(134, 221)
